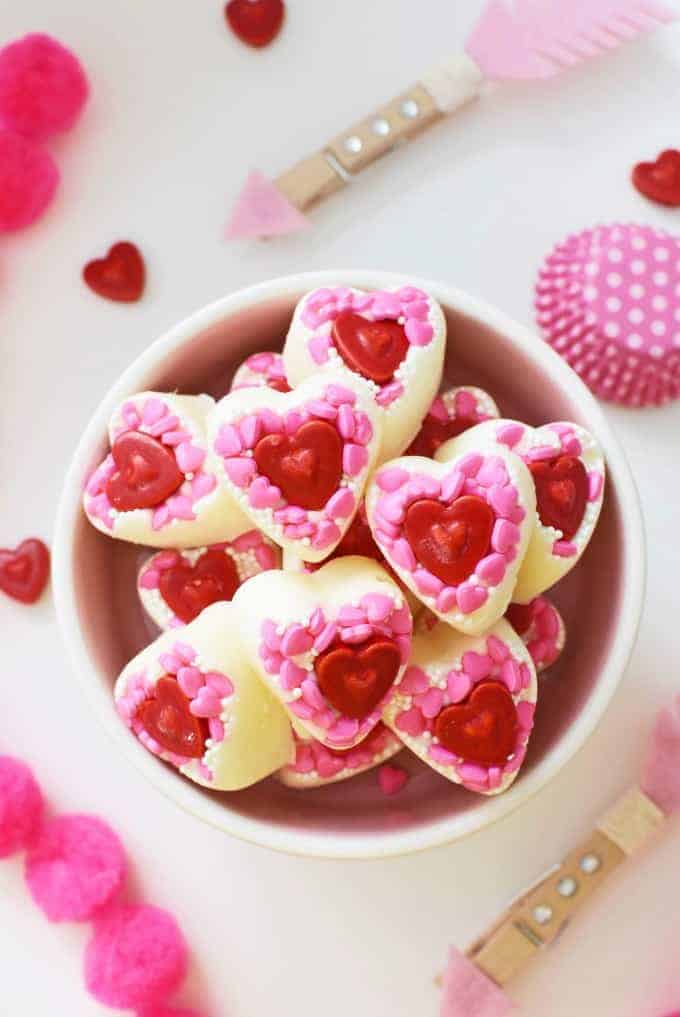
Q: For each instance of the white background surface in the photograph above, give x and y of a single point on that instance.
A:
(179, 112)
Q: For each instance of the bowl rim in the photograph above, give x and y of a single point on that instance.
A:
(331, 844)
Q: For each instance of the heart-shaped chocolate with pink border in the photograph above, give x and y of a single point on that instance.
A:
(158, 443)
(315, 764)
(297, 463)
(541, 628)
(478, 692)
(261, 369)
(568, 472)
(394, 339)
(192, 700)
(452, 412)
(330, 644)
(175, 585)
(455, 533)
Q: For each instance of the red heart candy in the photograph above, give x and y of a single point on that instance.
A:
(147, 472)
(373, 349)
(449, 540)
(305, 466)
(483, 728)
(168, 720)
(561, 492)
(24, 571)
(521, 616)
(660, 180)
(119, 276)
(355, 678)
(188, 589)
(434, 432)
(255, 22)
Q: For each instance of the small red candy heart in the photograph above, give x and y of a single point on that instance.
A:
(373, 349)
(188, 589)
(119, 276)
(521, 616)
(434, 432)
(483, 728)
(168, 720)
(305, 466)
(25, 570)
(449, 540)
(147, 472)
(660, 180)
(561, 492)
(355, 678)
(255, 22)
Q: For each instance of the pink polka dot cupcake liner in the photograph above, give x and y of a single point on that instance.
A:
(608, 301)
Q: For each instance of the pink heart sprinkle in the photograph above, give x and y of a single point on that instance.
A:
(509, 434)
(378, 606)
(354, 459)
(402, 555)
(414, 681)
(329, 766)
(318, 348)
(296, 640)
(190, 681)
(419, 333)
(470, 598)
(391, 779)
(458, 686)
(240, 471)
(430, 703)
(189, 457)
(341, 504)
(477, 665)
(491, 569)
(410, 722)
(206, 704)
(505, 536)
(391, 478)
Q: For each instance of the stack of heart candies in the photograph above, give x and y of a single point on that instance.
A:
(347, 560)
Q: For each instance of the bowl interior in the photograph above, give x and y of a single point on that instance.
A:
(104, 572)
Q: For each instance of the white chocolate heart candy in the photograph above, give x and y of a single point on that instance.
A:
(298, 463)
(192, 699)
(261, 369)
(452, 412)
(330, 645)
(174, 586)
(395, 339)
(455, 533)
(315, 764)
(568, 472)
(159, 485)
(541, 628)
(465, 705)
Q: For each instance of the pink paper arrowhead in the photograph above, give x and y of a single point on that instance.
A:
(261, 210)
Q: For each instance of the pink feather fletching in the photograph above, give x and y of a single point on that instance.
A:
(661, 771)
(541, 38)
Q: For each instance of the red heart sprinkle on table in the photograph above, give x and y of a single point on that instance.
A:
(660, 180)
(255, 22)
(482, 729)
(561, 493)
(434, 432)
(305, 466)
(24, 571)
(188, 589)
(169, 721)
(373, 349)
(521, 616)
(147, 472)
(119, 276)
(449, 540)
(355, 678)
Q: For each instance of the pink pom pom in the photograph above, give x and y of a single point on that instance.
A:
(21, 805)
(74, 868)
(136, 958)
(43, 87)
(28, 180)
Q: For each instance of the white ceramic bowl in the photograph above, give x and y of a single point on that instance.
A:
(601, 599)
